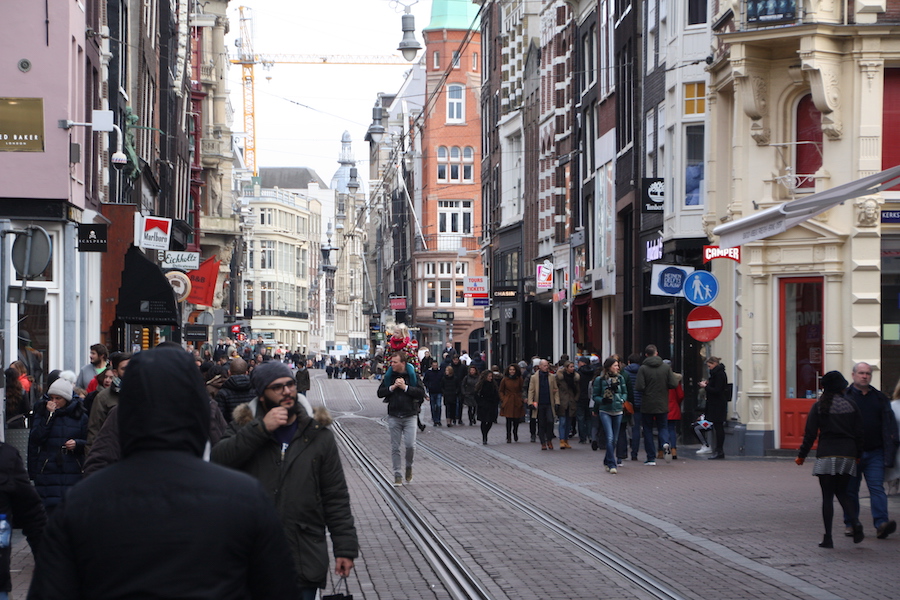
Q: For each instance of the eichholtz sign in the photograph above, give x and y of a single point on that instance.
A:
(186, 261)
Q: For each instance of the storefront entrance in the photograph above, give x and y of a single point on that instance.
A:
(801, 353)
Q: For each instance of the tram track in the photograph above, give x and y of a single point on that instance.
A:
(442, 557)
(458, 579)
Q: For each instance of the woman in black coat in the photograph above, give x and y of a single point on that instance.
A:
(450, 393)
(487, 402)
(56, 444)
(716, 402)
(21, 505)
(837, 423)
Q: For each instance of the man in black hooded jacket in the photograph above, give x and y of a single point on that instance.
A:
(162, 523)
(236, 390)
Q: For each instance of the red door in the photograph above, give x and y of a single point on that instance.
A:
(801, 351)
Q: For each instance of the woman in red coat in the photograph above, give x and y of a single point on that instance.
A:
(675, 397)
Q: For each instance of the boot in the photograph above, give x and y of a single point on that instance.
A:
(659, 454)
(826, 542)
(543, 446)
(508, 440)
(533, 438)
(674, 453)
(549, 444)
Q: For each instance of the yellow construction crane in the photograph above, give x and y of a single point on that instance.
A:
(247, 58)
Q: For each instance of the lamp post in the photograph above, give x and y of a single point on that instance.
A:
(409, 45)
(328, 270)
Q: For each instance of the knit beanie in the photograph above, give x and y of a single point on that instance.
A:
(263, 375)
(61, 388)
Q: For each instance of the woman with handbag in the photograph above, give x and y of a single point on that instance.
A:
(609, 395)
(716, 402)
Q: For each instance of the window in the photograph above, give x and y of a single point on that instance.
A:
(607, 81)
(456, 59)
(266, 216)
(442, 163)
(446, 269)
(267, 295)
(474, 61)
(250, 254)
(266, 254)
(462, 268)
(457, 165)
(437, 59)
(429, 268)
(455, 104)
(455, 216)
(446, 292)
(693, 167)
(460, 292)
(695, 98)
(809, 143)
(430, 287)
(696, 12)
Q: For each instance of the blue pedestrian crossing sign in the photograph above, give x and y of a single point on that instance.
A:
(701, 288)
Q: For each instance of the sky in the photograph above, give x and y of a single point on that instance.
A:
(303, 110)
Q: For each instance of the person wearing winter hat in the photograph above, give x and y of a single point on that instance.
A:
(56, 443)
(280, 440)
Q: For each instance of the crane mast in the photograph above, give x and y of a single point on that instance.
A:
(247, 58)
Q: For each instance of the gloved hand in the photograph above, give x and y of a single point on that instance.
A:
(799, 460)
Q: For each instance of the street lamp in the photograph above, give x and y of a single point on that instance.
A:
(353, 184)
(409, 46)
(376, 129)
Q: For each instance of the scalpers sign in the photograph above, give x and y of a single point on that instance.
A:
(186, 261)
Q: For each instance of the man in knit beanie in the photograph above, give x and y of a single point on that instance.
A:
(280, 440)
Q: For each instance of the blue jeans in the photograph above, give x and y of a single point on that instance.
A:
(611, 429)
(582, 417)
(673, 435)
(636, 432)
(661, 422)
(402, 428)
(872, 466)
(564, 424)
(306, 593)
(436, 408)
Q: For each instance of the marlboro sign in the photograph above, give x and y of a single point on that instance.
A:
(154, 232)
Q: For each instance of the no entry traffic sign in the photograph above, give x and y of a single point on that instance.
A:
(704, 323)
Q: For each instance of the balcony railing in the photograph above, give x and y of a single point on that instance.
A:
(446, 242)
(290, 314)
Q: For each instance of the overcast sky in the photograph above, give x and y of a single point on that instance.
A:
(302, 110)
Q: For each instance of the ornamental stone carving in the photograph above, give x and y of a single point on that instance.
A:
(867, 211)
(824, 83)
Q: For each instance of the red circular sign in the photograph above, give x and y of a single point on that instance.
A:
(704, 324)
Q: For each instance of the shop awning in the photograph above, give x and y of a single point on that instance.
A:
(146, 296)
(779, 219)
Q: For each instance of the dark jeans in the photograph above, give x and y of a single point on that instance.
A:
(436, 408)
(583, 417)
(872, 466)
(661, 422)
(545, 418)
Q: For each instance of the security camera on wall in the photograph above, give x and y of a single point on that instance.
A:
(119, 160)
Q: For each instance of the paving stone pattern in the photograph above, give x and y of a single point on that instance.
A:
(733, 529)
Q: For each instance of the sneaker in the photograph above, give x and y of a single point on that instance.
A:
(885, 529)
(650, 463)
(667, 453)
(606, 468)
(398, 480)
(848, 531)
(707, 450)
(619, 462)
(594, 445)
(612, 471)
(408, 474)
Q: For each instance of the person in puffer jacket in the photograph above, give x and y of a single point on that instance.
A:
(236, 390)
(56, 444)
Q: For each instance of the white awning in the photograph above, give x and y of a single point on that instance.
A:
(778, 219)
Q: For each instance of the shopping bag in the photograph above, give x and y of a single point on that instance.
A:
(336, 591)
